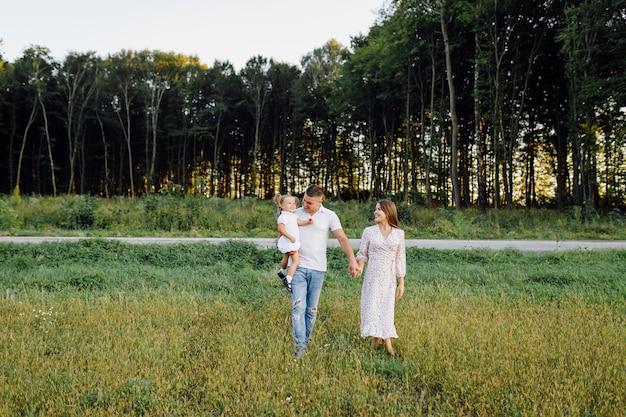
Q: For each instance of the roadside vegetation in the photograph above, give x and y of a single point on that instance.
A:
(170, 215)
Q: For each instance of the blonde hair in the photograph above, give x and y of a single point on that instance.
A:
(280, 198)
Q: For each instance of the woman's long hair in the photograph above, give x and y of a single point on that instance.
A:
(389, 208)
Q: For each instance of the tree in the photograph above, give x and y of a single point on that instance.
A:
(456, 192)
(593, 49)
(37, 68)
(125, 70)
(320, 69)
(8, 123)
(258, 86)
(283, 78)
(78, 85)
(161, 70)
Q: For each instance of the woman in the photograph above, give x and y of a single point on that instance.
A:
(382, 247)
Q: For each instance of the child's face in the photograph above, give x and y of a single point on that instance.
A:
(289, 204)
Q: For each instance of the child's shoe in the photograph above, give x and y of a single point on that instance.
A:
(286, 279)
(287, 282)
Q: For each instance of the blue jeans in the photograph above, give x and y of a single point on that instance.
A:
(306, 287)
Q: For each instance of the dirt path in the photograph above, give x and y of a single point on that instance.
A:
(523, 245)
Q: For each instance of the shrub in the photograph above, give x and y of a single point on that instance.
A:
(8, 216)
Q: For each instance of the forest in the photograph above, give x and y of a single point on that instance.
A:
(443, 103)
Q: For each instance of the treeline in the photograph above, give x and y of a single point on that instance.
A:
(480, 103)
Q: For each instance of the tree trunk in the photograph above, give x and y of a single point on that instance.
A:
(454, 178)
(126, 129)
(31, 119)
(408, 135)
(480, 138)
(47, 133)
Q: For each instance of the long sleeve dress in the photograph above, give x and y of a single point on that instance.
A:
(386, 261)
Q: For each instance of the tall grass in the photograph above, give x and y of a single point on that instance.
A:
(103, 328)
(166, 215)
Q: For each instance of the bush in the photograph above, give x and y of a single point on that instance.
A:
(80, 213)
(8, 217)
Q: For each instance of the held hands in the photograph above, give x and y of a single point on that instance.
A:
(355, 269)
(355, 272)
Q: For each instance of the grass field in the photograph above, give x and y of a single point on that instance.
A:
(103, 328)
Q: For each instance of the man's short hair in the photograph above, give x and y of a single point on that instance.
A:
(314, 191)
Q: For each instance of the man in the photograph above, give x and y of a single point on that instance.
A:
(307, 281)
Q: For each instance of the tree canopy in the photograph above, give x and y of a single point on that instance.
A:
(483, 103)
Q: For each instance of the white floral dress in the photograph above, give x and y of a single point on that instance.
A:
(386, 261)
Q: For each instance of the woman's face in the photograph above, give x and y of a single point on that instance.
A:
(379, 215)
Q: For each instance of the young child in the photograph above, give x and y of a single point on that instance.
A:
(289, 240)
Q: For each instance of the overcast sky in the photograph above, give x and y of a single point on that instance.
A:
(233, 30)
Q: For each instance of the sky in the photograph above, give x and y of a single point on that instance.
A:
(233, 30)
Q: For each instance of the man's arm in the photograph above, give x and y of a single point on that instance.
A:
(346, 247)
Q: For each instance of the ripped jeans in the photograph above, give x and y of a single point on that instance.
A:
(306, 287)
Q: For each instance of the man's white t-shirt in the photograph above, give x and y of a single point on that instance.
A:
(314, 237)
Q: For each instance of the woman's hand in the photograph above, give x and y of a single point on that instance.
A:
(400, 290)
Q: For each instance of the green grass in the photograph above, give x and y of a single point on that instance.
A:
(170, 216)
(103, 328)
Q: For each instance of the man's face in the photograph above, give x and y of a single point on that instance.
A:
(311, 204)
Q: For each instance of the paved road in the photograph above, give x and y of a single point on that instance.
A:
(523, 245)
